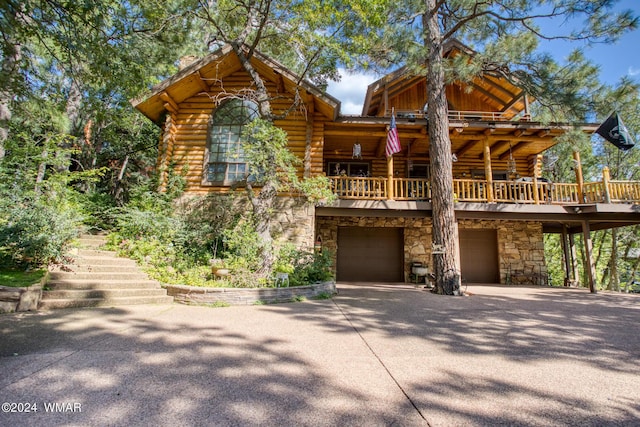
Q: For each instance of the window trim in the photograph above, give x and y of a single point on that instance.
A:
(207, 163)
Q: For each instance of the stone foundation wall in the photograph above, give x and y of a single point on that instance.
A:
(520, 243)
(294, 221)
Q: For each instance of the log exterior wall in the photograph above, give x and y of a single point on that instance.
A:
(184, 140)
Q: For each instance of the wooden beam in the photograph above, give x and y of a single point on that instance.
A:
(495, 147)
(480, 135)
(167, 106)
(381, 133)
(201, 82)
(486, 93)
(519, 146)
(516, 98)
(494, 81)
(168, 100)
(468, 146)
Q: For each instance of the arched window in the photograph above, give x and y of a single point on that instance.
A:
(226, 163)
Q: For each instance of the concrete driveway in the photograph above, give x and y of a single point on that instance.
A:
(374, 355)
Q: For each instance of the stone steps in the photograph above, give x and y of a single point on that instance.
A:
(85, 284)
(99, 278)
(52, 304)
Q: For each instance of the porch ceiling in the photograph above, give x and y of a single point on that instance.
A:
(523, 138)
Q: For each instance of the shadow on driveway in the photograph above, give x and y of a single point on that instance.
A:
(374, 355)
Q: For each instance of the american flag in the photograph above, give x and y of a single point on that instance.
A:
(393, 140)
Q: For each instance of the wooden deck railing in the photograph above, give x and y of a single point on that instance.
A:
(475, 190)
(489, 116)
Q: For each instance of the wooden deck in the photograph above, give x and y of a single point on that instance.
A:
(480, 191)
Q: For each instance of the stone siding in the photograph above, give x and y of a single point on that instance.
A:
(293, 218)
(520, 243)
(294, 221)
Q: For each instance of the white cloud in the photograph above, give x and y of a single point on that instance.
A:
(351, 90)
(633, 71)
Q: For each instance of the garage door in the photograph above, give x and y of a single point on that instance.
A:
(367, 254)
(479, 256)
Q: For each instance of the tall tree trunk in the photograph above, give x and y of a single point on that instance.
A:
(446, 252)
(614, 279)
(10, 73)
(262, 210)
(262, 202)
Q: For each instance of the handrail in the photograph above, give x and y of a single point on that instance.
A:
(476, 190)
(490, 116)
(411, 189)
(624, 191)
(350, 187)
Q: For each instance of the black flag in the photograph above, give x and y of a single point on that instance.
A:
(614, 131)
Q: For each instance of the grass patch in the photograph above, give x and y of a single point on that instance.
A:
(218, 304)
(20, 279)
(323, 295)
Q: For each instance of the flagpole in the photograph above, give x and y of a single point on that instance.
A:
(390, 189)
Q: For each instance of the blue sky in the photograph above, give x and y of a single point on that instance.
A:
(615, 61)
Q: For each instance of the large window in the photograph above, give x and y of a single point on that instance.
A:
(227, 163)
(348, 168)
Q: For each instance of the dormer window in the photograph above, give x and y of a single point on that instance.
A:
(226, 163)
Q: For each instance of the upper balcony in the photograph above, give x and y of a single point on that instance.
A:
(521, 191)
(465, 116)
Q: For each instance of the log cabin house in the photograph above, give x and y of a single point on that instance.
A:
(380, 225)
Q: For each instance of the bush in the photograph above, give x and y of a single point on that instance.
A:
(37, 232)
(305, 267)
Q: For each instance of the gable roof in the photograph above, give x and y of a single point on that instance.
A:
(197, 77)
(491, 88)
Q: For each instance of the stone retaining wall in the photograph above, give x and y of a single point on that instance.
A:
(247, 296)
(20, 299)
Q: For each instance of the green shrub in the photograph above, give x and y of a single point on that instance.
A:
(37, 232)
(311, 267)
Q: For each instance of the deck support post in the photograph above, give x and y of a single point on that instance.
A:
(606, 177)
(573, 257)
(536, 168)
(567, 256)
(488, 172)
(579, 176)
(588, 250)
(390, 188)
